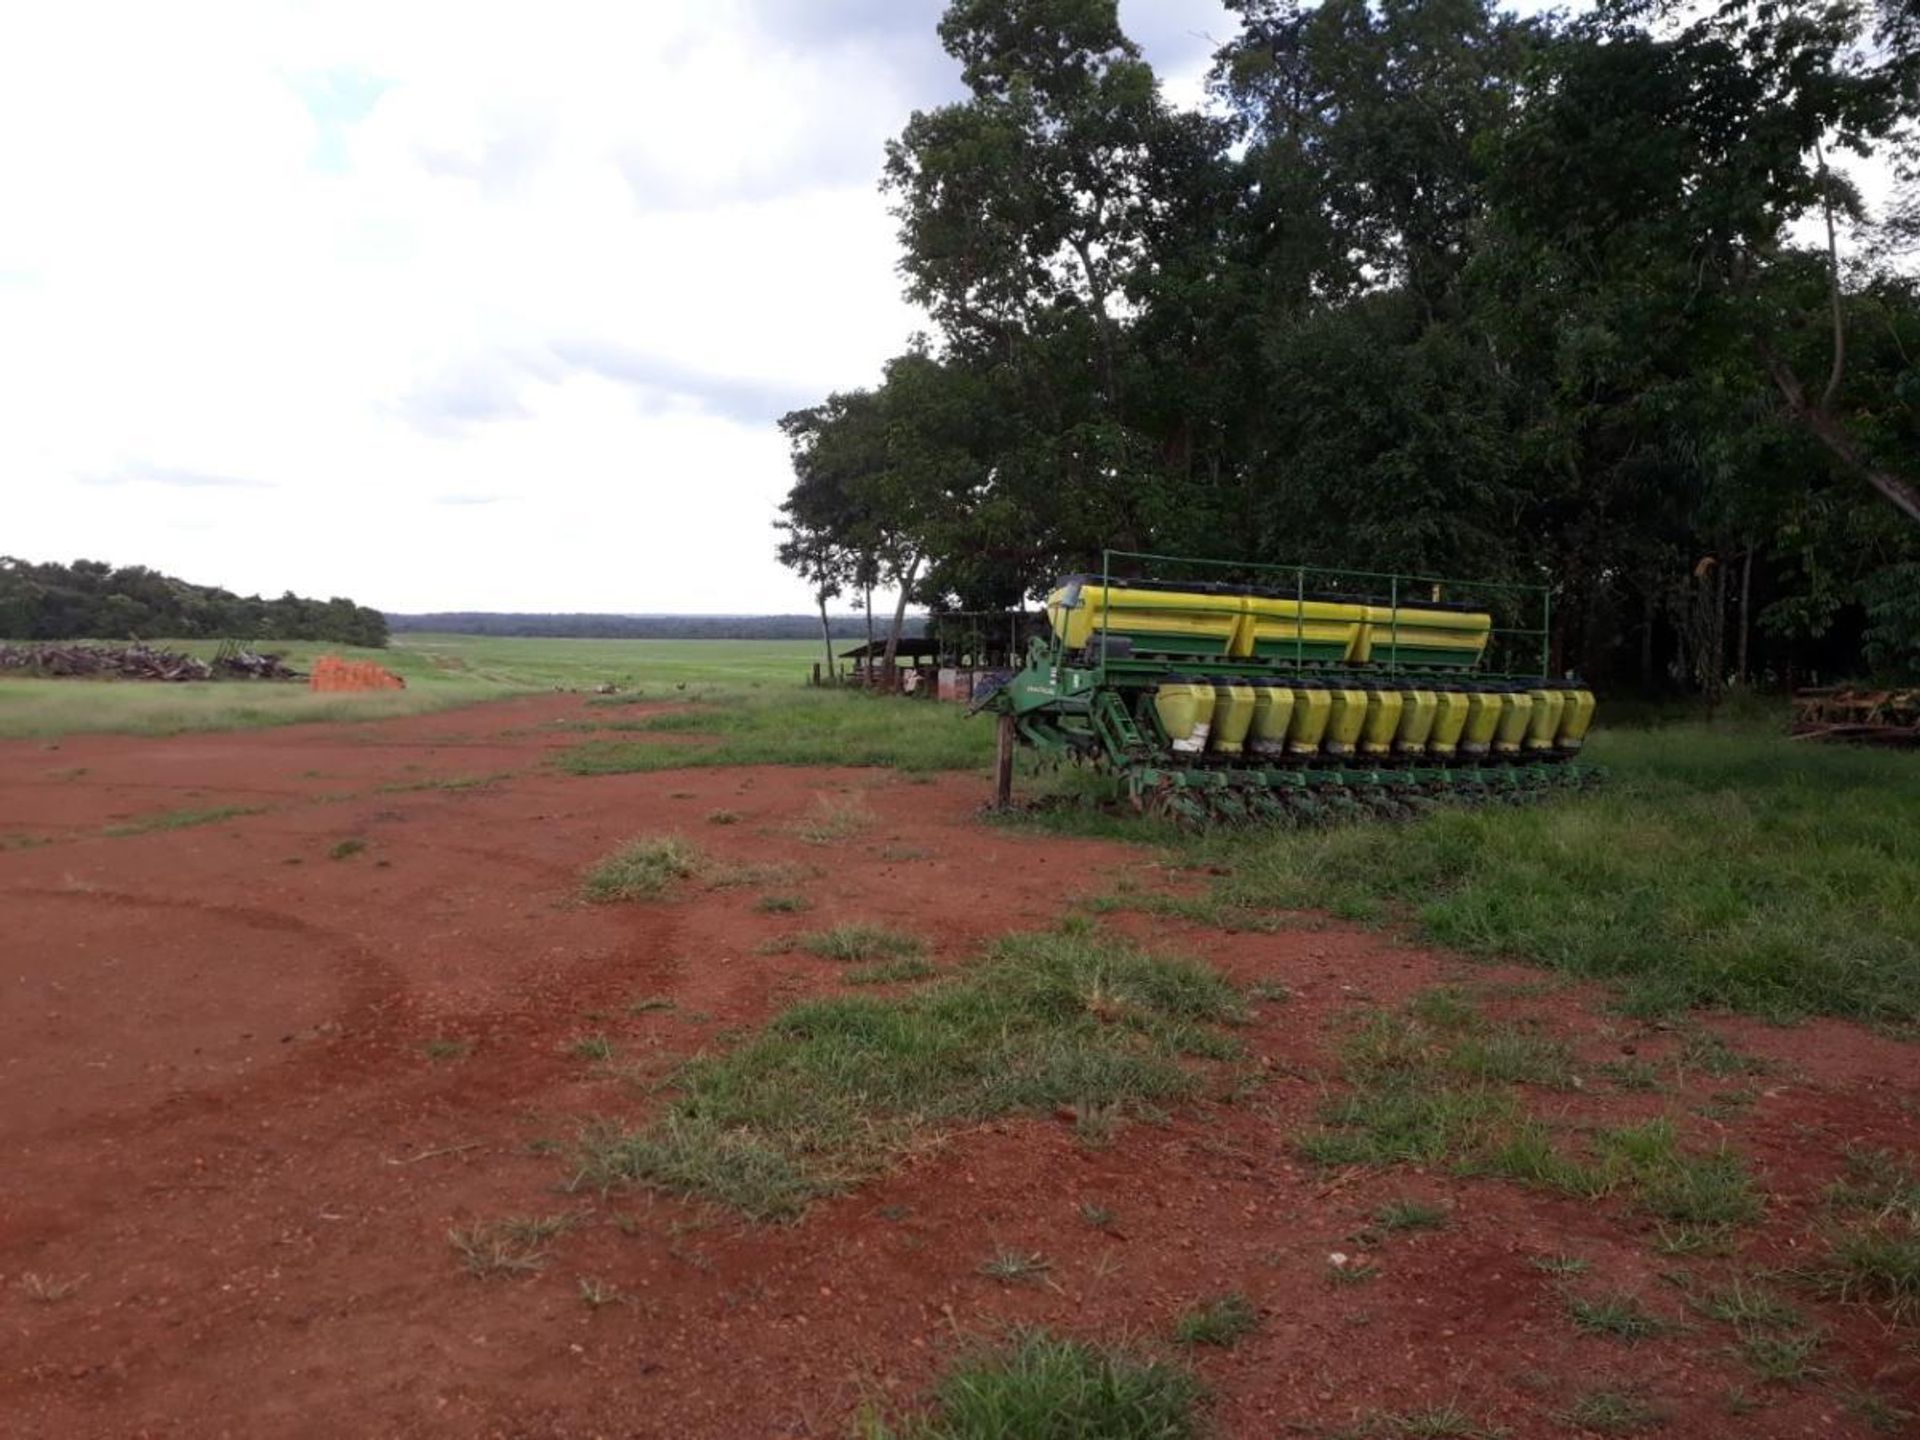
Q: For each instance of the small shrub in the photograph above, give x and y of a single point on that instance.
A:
(782, 904)
(346, 849)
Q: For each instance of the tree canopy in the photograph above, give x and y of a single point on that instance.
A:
(1589, 300)
(90, 599)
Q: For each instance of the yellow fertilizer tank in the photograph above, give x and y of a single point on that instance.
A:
(1543, 726)
(1449, 721)
(1575, 720)
(1346, 716)
(1185, 708)
(1383, 720)
(1233, 704)
(1289, 627)
(1152, 618)
(1272, 713)
(1483, 719)
(1311, 706)
(1422, 635)
(1516, 711)
(1417, 712)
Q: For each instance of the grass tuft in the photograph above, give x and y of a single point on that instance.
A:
(1013, 1266)
(1409, 1215)
(1223, 1321)
(1619, 1315)
(856, 942)
(643, 869)
(1051, 1389)
(1612, 1412)
(782, 904)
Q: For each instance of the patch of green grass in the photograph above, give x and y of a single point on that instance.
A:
(799, 727)
(443, 1049)
(647, 1004)
(833, 1088)
(723, 817)
(1446, 1091)
(1882, 1181)
(595, 1048)
(1409, 1215)
(1879, 1411)
(1618, 1315)
(595, 1294)
(829, 820)
(1718, 867)
(1877, 1262)
(1781, 1358)
(1097, 1215)
(1748, 1305)
(346, 849)
(642, 869)
(1612, 1412)
(1038, 1387)
(854, 942)
(181, 819)
(1223, 1321)
(889, 972)
(782, 904)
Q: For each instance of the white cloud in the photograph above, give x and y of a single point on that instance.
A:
(450, 304)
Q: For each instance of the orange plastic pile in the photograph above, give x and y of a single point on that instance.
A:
(332, 674)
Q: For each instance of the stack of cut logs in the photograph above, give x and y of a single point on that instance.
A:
(138, 662)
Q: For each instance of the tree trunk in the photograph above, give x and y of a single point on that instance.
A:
(826, 636)
(1746, 603)
(891, 669)
(1820, 423)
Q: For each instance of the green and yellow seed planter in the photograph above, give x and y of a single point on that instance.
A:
(1300, 694)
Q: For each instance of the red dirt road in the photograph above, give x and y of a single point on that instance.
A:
(229, 1162)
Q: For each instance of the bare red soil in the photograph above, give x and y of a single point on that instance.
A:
(223, 1129)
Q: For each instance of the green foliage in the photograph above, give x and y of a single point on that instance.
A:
(92, 600)
(1430, 286)
(1042, 1388)
(832, 1088)
(860, 942)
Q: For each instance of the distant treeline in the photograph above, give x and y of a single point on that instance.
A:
(639, 627)
(90, 599)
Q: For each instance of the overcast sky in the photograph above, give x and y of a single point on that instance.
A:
(451, 305)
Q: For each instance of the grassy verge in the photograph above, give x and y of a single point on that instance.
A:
(1043, 1388)
(833, 1089)
(1718, 868)
(794, 727)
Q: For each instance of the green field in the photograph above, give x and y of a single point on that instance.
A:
(440, 671)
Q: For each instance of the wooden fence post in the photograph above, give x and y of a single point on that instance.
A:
(1003, 764)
